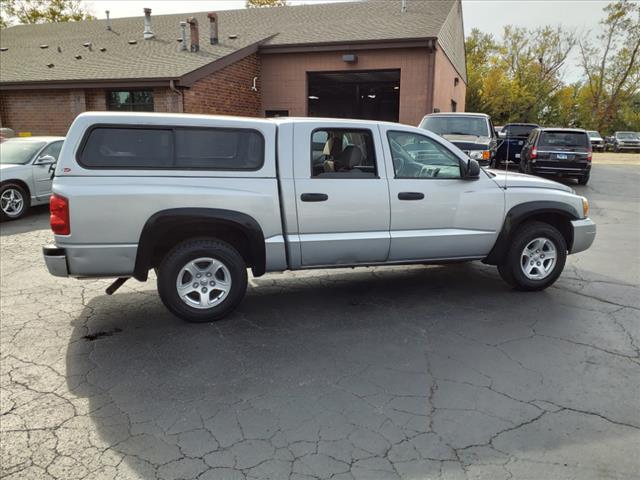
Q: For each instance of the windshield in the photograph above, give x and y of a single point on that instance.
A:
(458, 125)
(18, 152)
(628, 136)
(519, 130)
(563, 139)
(593, 134)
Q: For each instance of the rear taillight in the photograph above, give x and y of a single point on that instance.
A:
(59, 219)
(589, 154)
(534, 152)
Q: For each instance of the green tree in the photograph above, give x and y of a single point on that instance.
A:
(518, 77)
(612, 64)
(42, 11)
(265, 3)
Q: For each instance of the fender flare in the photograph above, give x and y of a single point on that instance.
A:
(519, 214)
(164, 221)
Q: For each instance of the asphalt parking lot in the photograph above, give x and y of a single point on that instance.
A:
(386, 373)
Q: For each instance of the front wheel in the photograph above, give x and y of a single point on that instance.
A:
(202, 280)
(536, 258)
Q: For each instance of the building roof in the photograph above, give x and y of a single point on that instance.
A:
(113, 57)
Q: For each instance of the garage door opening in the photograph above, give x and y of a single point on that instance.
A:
(367, 95)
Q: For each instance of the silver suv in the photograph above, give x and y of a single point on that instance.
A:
(200, 199)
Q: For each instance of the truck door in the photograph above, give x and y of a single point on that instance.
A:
(435, 214)
(342, 195)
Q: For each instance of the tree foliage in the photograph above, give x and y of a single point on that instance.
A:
(42, 11)
(612, 64)
(512, 79)
(519, 77)
(265, 3)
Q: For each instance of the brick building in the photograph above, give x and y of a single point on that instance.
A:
(361, 60)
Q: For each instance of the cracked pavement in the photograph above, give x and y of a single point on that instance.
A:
(386, 373)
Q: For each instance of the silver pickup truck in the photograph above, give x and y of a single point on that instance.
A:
(201, 199)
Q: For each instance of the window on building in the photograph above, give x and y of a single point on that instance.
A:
(339, 153)
(454, 105)
(276, 113)
(130, 101)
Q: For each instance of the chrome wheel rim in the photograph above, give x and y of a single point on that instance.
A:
(538, 258)
(12, 202)
(203, 283)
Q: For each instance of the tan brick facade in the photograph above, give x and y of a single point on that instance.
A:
(285, 77)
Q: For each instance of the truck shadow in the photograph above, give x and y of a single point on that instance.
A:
(320, 370)
(37, 218)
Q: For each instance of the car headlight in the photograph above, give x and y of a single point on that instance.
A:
(480, 154)
(585, 207)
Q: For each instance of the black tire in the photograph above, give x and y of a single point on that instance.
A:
(511, 270)
(25, 204)
(583, 180)
(190, 250)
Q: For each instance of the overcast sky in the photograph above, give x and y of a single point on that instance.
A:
(487, 15)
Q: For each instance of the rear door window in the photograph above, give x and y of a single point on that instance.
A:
(343, 153)
(563, 139)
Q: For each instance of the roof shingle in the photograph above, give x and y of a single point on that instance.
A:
(112, 57)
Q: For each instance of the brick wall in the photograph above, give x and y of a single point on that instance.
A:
(227, 91)
(41, 112)
(445, 88)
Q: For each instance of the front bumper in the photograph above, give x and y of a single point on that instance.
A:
(584, 233)
(56, 260)
(628, 146)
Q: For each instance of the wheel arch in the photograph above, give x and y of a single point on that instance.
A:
(166, 228)
(20, 183)
(557, 214)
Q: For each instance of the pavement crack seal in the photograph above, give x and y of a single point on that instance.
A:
(90, 337)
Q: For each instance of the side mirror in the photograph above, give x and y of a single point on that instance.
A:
(472, 172)
(45, 160)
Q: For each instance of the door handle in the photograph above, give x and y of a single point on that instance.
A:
(314, 197)
(410, 196)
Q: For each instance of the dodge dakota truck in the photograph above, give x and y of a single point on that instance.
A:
(202, 199)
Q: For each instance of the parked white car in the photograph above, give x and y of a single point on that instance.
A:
(27, 166)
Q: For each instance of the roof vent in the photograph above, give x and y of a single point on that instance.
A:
(148, 33)
(43, 46)
(233, 36)
(132, 42)
(108, 20)
(4, 49)
(403, 7)
(78, 57)
(183, 36)
(213, 27)
(59, 49)
(50, 65)
(194, 33)
(102, 49)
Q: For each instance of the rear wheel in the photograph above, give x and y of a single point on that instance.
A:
(583, 180)
(536, 257)
(202, 280)
(14, 201)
